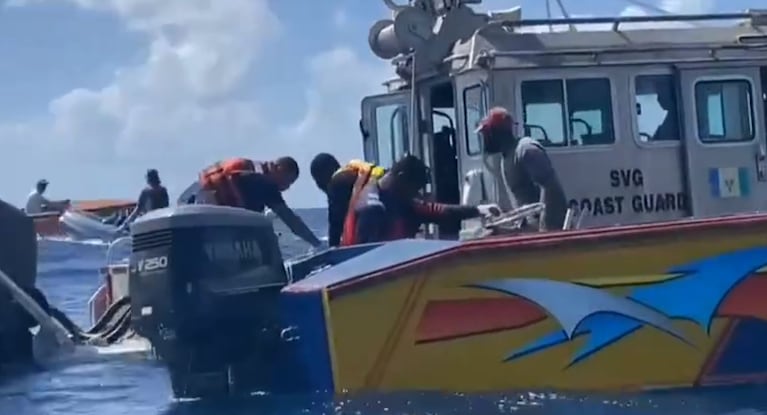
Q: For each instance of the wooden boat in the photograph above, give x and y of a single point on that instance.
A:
(47, 224)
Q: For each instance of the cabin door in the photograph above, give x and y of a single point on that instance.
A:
(472, 98)
(725, 140)
(384, 127)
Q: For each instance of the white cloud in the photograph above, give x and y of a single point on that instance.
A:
(178, 103)
(199, 51)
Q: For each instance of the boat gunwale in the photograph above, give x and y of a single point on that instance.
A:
(532, 242)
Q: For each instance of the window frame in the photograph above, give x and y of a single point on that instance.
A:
(680, 108)
(751, 106)
(468, 132)
(391, 136)
(565, 77)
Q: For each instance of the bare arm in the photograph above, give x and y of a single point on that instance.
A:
(136, 211)
(433, 212)
(295, 224)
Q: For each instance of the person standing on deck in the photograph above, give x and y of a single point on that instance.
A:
(252, 185)
(337, 183)
(153, 196)
(528, 174)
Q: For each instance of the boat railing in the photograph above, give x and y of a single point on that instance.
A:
(44, 214)
(757, 17)
(97, 301)
(513, 218)
(573, 219)
(117, 243)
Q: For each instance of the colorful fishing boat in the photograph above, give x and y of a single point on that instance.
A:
(653, 283)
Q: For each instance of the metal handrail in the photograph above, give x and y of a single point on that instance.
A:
(756, 16)
(92, 301)
(113, 245)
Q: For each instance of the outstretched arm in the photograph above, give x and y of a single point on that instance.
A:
(432, 212)
(136, 211)
(295, 223)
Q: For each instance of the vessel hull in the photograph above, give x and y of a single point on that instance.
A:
(637, 307)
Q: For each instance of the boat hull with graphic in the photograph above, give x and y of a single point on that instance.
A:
(673, 305)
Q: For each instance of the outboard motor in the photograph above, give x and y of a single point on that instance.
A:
(204, 286)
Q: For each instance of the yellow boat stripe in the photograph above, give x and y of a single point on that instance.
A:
(331, 341)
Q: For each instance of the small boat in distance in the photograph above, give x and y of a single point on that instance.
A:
(48, 224)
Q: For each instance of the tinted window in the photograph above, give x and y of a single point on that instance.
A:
(724, 111)
(656, 108)
(569, 112)
(543, 111)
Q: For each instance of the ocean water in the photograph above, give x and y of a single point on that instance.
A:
(68, 275)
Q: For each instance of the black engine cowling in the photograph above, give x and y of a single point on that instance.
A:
(204, 286)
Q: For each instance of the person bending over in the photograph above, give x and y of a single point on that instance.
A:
(389, 208)
(337, 183)
(255, 186)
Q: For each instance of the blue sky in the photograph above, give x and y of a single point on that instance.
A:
(94, 92)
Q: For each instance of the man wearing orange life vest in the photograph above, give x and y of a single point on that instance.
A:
(254, 186)
(387, 209)
(337, 183)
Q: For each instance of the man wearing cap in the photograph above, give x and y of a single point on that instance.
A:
(37, 203)
(527, 171)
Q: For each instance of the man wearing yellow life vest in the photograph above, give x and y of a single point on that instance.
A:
(337, 183)
(387, 207)
(243, 183)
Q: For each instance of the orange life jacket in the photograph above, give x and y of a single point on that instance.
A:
(396, 229)
(365, 171)
(218, 179)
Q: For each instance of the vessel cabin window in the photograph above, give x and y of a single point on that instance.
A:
(572, 112)
(656, 108)
(472, 107)
(391, 126)
(725, 110)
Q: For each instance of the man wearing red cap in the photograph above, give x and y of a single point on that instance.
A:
(526, 168)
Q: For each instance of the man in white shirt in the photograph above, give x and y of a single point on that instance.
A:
(37, 203)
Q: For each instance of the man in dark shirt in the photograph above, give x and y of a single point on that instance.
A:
(337, 184)
(390, 209)
(527, 169)
(152, 197)
(262, 190)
